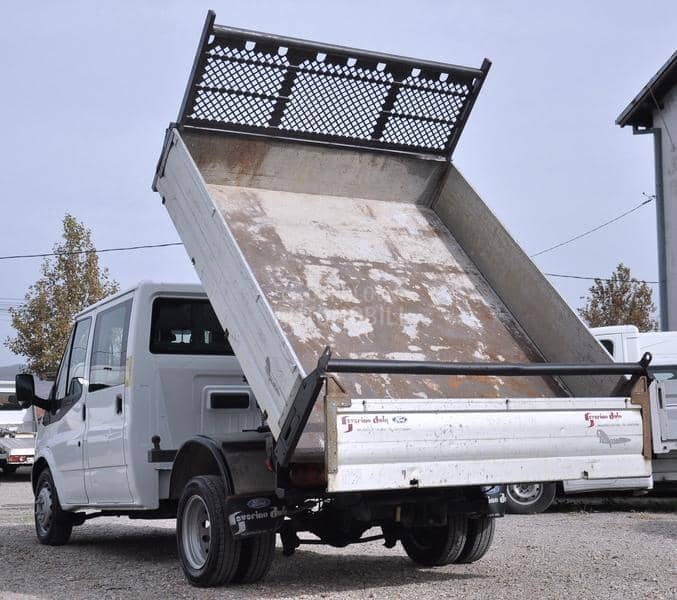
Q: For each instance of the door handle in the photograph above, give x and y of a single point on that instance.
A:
(118, 404)
(84, 411)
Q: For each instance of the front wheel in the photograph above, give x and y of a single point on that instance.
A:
(436, 546)
(530, 498)
(53, 525)
(208, 553)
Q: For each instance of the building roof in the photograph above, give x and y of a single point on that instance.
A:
(639, 112)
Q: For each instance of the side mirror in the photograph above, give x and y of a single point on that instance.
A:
(25, 393)
(25, 390)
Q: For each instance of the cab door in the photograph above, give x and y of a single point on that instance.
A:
(106, 465)
(65, 428)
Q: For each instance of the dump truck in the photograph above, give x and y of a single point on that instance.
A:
(371, 356)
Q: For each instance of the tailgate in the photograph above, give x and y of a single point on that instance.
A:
(395, 444)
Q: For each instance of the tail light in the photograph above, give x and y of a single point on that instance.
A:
(17, 458)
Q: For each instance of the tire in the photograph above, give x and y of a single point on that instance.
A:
(9, 469)
(436, 546)
(208, 553)
(256, 556)
(53, 526)
(530, 498)
(478, 540)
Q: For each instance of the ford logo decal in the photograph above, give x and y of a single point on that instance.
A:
(258, 503)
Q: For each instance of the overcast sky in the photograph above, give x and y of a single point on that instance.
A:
(89, 87)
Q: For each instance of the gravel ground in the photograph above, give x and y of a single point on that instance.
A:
(593, 549)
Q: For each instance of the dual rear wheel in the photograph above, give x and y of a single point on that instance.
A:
(209, 554)
(461, 540)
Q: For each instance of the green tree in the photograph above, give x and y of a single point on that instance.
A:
(621, 300)
(70, 281)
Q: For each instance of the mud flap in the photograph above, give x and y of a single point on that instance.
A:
(254, 515)
(496, 500)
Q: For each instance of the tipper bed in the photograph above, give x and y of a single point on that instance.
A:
(314, 190)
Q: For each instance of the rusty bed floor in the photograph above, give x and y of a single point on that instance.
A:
(377, 279)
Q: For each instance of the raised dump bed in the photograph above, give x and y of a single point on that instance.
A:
(314, 190)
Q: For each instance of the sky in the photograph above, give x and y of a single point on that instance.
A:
(88, 89)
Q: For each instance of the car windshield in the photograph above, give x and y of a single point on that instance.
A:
(8, 401)
(663, 372)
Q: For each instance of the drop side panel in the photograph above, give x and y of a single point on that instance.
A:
(551, 325)
(269, 363)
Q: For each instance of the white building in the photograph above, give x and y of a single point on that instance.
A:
(654, 110)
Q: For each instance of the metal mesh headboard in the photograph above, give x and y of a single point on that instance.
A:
(264, 84)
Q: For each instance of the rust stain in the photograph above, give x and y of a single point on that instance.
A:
(377, 279)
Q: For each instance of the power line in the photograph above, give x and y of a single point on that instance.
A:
(120, 249)
(13, 302)
(588, 278)
(580, 235)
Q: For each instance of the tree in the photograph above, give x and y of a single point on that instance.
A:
(620, 300)
(71, 281)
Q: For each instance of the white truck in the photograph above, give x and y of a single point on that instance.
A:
(371, 349)
(17, 431)
(625, 343)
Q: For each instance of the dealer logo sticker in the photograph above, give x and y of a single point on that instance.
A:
(399, 419)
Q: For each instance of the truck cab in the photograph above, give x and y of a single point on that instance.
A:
(143, 372)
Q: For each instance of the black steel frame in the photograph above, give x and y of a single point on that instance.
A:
(436, 95)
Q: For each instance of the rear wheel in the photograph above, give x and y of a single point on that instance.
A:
(478, 540)
(53, 526)
(208, 553)
(9, 469)
(436, 546)
(256, 556)
(529, 498)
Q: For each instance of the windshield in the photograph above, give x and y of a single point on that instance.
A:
(662, 373)
(10, 412)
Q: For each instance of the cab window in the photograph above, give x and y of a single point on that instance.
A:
(73, 362)
(186, 326)
(62, 376)
(68, 386)
(109, 348)
(608, 346)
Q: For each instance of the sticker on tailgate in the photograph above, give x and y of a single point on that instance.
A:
(371, 423)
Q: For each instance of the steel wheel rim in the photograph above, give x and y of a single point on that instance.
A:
(196, 532)
(44, 509)
(525, 493)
